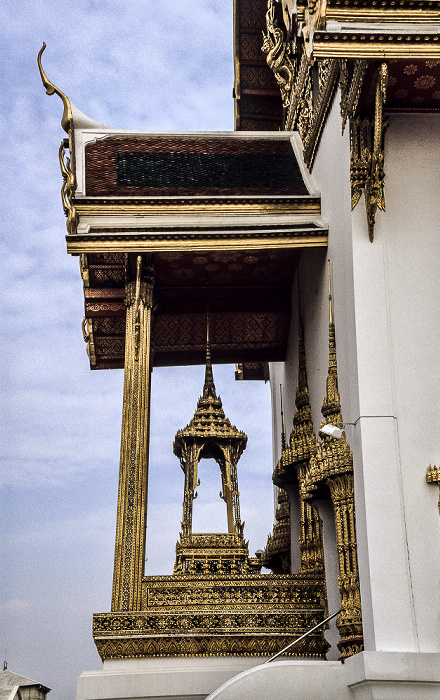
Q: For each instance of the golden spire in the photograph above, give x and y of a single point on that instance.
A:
(302, 442)
(283, 432)
(208, 387)
(302, 437)
(331, 406)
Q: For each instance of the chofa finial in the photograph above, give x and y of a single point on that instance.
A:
(66, 119)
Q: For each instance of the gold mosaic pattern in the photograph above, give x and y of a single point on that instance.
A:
(214, 615)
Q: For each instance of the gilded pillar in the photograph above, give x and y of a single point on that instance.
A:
(225, 493)
(350, 618)
(235, 495)
(133, 473)
(311, 540)
(188, 462)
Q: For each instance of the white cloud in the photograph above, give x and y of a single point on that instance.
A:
(14, 606)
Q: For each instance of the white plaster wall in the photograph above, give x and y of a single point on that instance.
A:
(387, 344)
(387, 335)
(331, 173)
(409, 236)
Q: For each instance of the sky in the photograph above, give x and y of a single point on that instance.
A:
(164, 66)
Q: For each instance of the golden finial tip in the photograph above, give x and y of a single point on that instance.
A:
(330, 293)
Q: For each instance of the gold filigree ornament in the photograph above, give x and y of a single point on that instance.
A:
(69, 184)
(433, 477)
(87, 330)
(328, 73)
(351, 88)
(68, 190)
(300, 112)
(367, 155)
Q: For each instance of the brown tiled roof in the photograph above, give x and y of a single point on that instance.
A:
(184, 166)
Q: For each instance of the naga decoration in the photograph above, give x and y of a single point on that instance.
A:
(68, 190)
(69, 184)
(278, 54)
(87, 330)
(295, 77)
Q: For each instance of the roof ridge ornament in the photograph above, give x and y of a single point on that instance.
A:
(66, 119)
(69, 182)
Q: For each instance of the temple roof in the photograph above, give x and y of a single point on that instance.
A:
(9, 680)
(233, 209)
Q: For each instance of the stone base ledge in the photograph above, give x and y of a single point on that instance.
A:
(369, 675)
(160, 679)
(387, 675)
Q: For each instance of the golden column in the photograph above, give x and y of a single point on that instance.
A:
(133, 472)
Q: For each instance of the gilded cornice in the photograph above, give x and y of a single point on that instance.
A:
(407, 12)
(100, 206)
(307, 237)
(376, 45)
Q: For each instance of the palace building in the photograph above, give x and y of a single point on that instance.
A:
(327, 197)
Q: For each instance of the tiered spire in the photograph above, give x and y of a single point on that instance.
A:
(209, 420)
(276, 555)
(208, 387)
(331, 406)
(332, 466)
(302, 437)
(302, 441)
(332, 456)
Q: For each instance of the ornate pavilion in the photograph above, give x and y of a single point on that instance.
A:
(325, 198)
